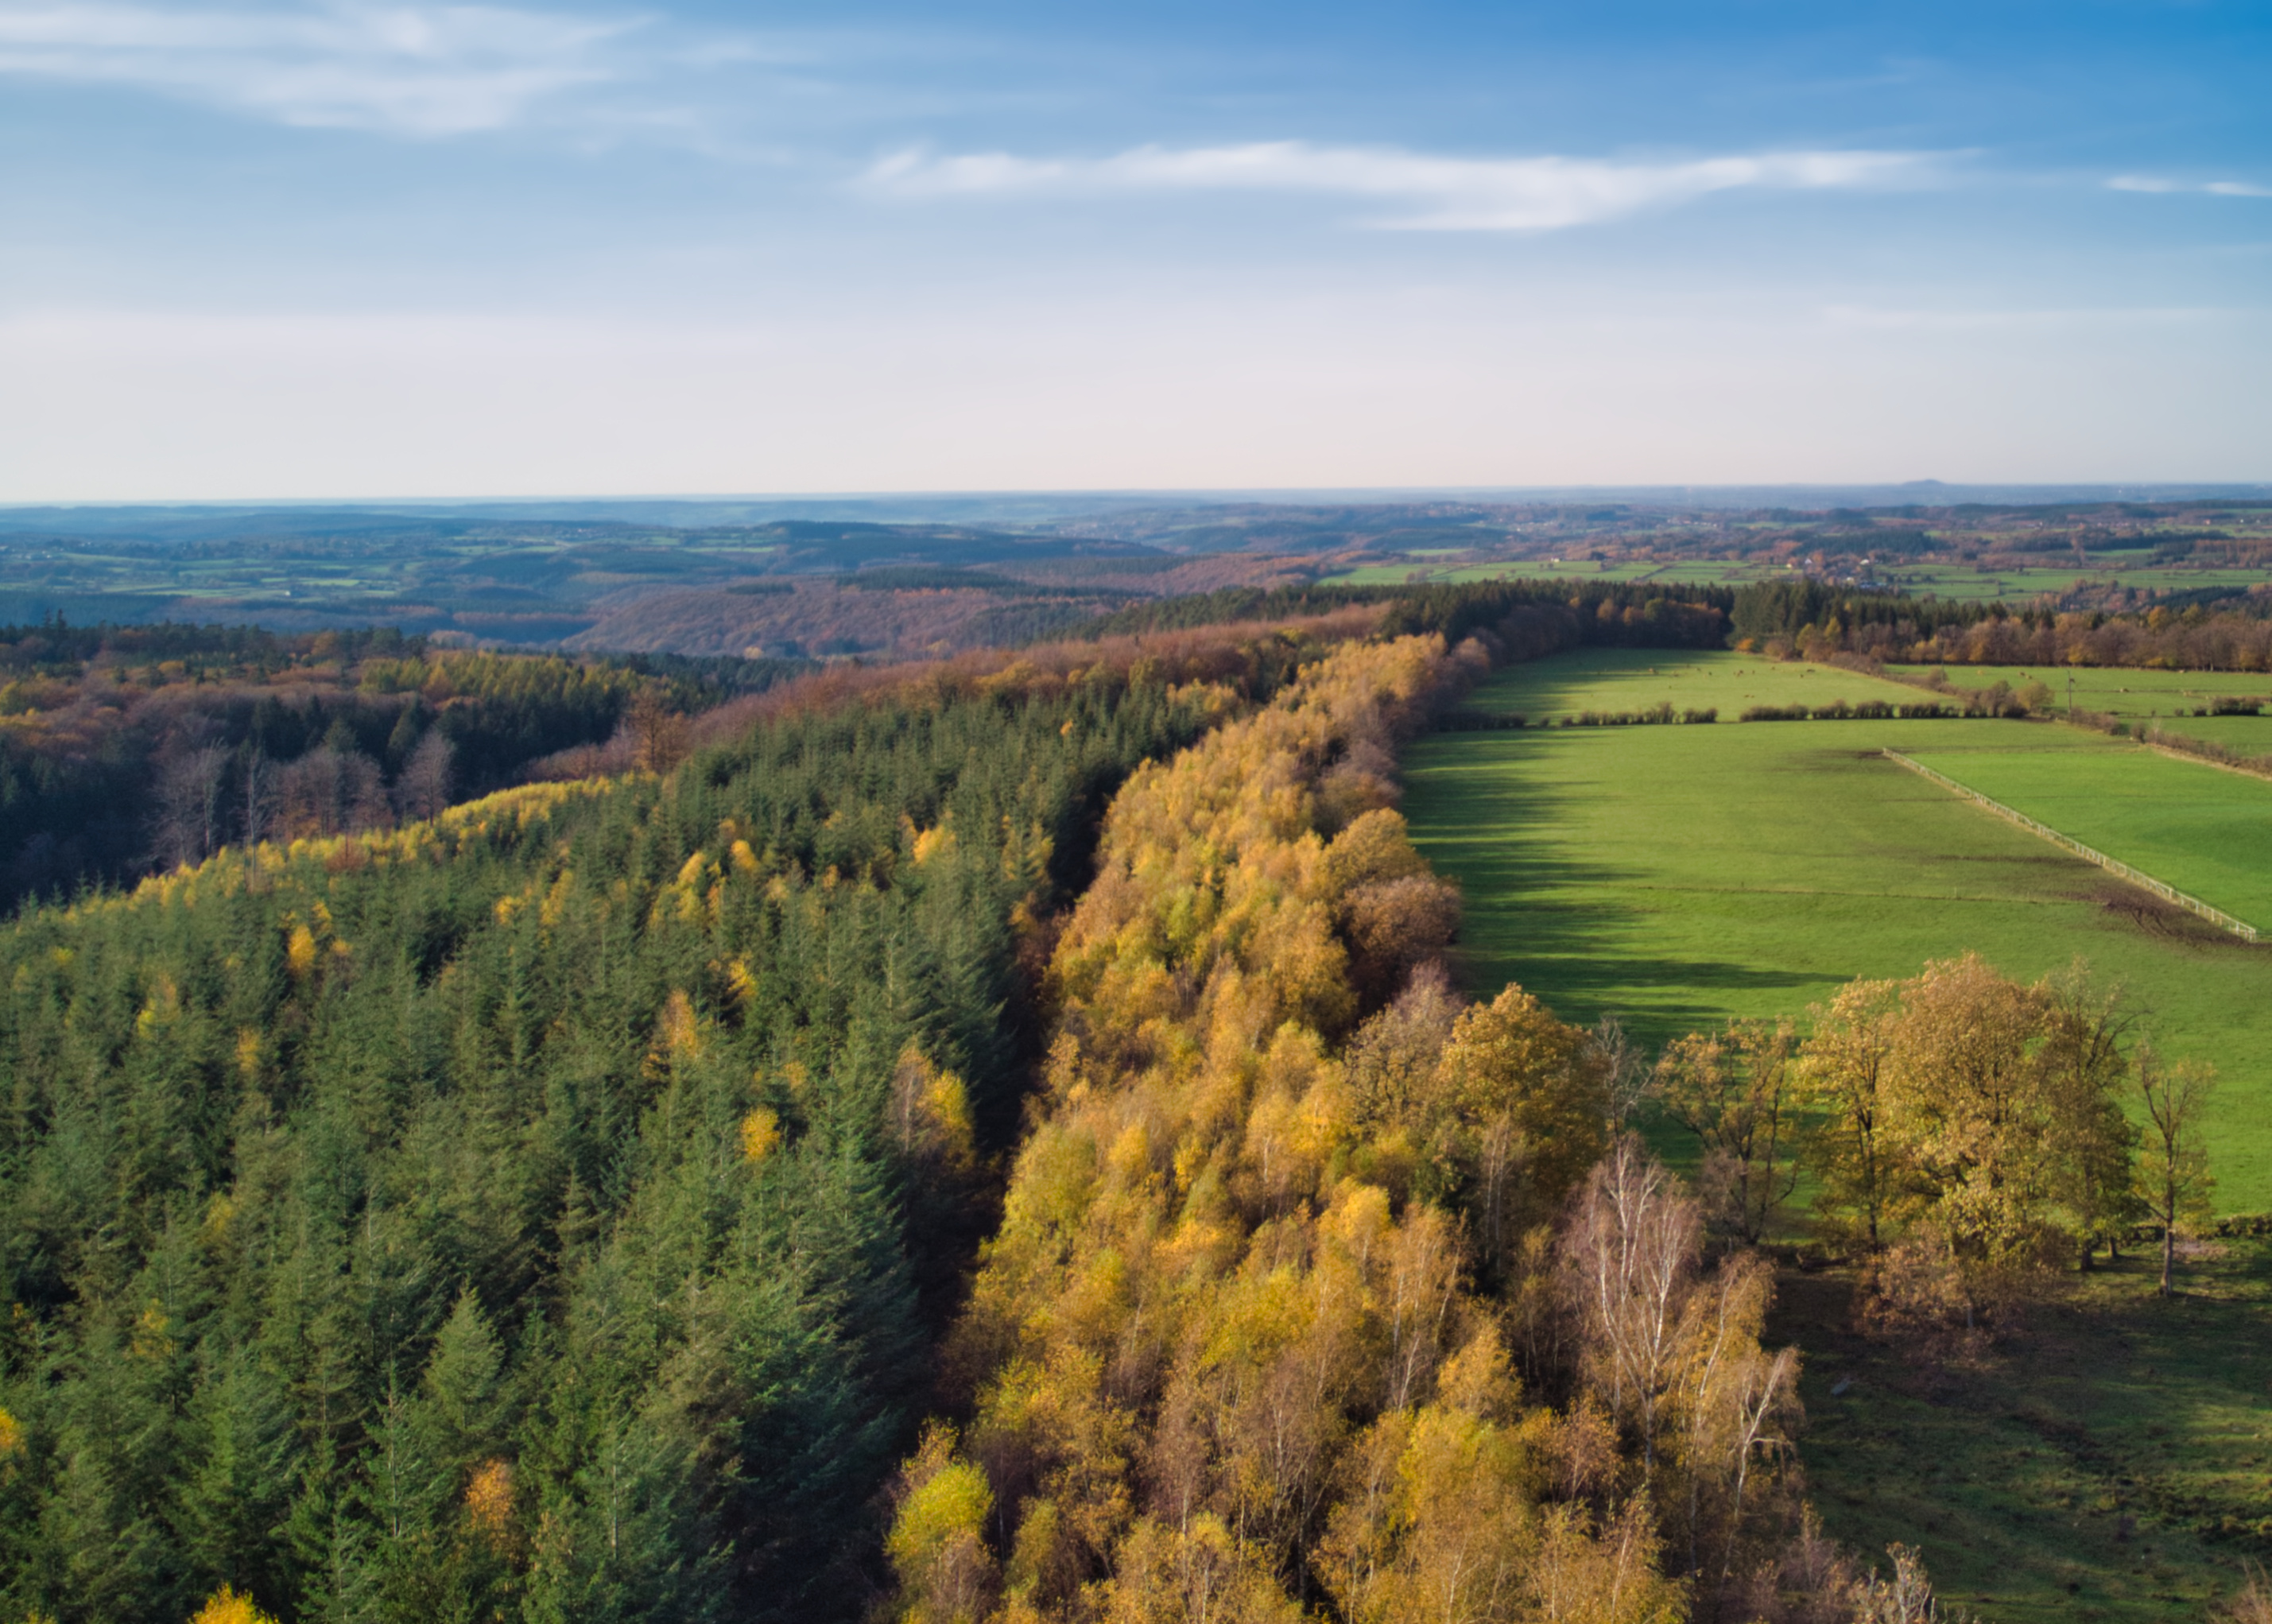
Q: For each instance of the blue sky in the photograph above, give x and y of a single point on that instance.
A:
(253, 249)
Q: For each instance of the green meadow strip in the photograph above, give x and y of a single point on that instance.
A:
(2066, 842)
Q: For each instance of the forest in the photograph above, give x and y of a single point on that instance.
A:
(125, 749)
(992, 1139)
(538, 1209)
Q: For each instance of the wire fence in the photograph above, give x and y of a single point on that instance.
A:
(2143, 881)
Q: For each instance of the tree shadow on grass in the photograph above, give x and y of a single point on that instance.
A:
(1582, 680)
(1583, 988)
(1558, 948)
(2096, 1451)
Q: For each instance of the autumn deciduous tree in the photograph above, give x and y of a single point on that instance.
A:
(1853, 1150)
(658, 734)
(1734, 1091)
(227, 1606)
(2085, 1072)
(1518, 1112)
(939, 1538)
(2173, 1173)
(190, 812)
(1970, 1130)
(1978, 1120)
(1245, 1343)
(1673, 1352)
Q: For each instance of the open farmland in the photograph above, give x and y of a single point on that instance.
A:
(2167, 700)
(1680, 875)
(2107, 1463)
(2007, 579)
(2013, 581)
(2203, 829)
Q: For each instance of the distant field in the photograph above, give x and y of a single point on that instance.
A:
(1967, 581)
(1959, 582)
(2138, 697)
(1692, 572)
(1680, 875)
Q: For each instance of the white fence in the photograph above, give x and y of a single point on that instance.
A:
(2143, 881)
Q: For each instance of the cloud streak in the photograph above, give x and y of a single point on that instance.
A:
(415, 70)
(2213, 189)
(1423, 192)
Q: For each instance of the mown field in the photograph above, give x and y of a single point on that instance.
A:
(2114, 1461)
(1675, 876)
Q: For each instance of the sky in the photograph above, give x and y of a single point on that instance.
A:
(269, 249)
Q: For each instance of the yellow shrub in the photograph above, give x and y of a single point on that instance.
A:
(760, 1136)
(225, 1606)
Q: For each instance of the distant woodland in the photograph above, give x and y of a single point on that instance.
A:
(125, 749)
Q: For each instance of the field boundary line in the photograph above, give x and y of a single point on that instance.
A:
(2067, 842)
(2186, 755)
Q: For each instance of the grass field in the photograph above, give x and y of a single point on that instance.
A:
(2141, 697)
(1969, 582)
(2109, 1463)
(2114, 1461)
(1962, 582)
(2201, 828)
(1677, 876)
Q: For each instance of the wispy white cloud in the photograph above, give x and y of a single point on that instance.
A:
(405, 69)
(2214, 189)
(1895, 321)
(1426, 193)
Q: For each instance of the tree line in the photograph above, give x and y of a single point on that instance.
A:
(1319, 1289)
(1521, 620)
(1816, 622)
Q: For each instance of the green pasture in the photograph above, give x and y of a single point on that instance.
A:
(1961, 581)
(2161, 698)
(2109, 1463)
(1619, 679)
(1677, 876)
(2204, 829)
(1681, 572)
(1966, 584)
(1566, 569)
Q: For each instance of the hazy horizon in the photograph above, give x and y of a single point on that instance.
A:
(899, 505)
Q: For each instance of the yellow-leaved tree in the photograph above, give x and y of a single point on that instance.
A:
(1969, 1132)
(1287, 1312)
